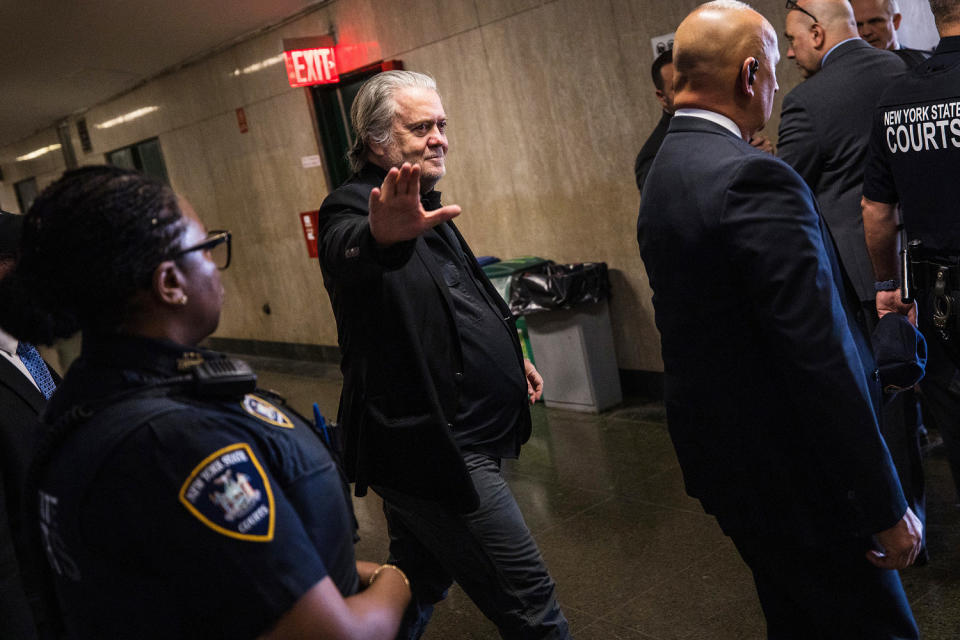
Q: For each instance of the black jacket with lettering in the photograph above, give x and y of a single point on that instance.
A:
(915, 149)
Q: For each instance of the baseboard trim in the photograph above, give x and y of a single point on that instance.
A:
(270, 349)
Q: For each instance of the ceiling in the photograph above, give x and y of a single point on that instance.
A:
(63, 56)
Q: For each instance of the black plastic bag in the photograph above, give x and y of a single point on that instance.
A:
(558, 286)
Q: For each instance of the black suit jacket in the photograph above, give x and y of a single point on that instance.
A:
(769, 402)
(912, 57)
(824, 132)
(21, 406)
(401, 354)
(649, 150)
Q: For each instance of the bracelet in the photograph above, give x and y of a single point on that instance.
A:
(389, 566)
(886, 285)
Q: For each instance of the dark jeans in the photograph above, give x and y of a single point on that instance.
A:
(828, 592)
(489, 552)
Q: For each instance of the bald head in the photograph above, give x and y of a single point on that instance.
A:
(720, 51)
(815, 28)
(834, 15)
(710, 43)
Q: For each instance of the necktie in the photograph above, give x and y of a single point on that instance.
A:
(37, 368)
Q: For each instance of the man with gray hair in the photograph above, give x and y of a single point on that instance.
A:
(436, 391)
(877, 22)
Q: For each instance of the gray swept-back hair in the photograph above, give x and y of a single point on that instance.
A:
(374, 108)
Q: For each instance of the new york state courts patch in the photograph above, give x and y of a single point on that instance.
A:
(230, 493)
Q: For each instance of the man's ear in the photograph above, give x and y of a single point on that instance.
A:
(662, 98)
(818, 35)
(377, 149)
(896, 21)
(748, 74)
(168, 283)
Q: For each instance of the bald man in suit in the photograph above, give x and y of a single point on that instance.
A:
(768, 381)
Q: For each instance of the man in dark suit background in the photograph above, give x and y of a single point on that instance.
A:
(662, 73)
(824, 132)
(25, 383)
(825, 121)
(768, 398)
(877, 22)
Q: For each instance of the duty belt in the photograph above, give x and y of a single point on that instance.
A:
(939, 275)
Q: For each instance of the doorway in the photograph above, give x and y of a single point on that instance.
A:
(332, 105)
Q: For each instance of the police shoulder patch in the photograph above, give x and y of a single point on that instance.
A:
(229, 492)
(266, 412)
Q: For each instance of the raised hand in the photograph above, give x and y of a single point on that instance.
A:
(396, 213)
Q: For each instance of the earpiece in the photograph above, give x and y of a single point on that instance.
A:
(754, 67)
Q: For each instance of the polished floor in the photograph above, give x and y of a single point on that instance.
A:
(633, 556)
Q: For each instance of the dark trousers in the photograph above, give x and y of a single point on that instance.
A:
(940, 389)
(489, 552)
(826, 592)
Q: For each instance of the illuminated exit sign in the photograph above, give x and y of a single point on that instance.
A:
(310, 61)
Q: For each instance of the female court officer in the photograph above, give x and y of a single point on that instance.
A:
(172, 500)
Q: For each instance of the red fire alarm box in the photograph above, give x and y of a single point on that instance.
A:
(309, 221)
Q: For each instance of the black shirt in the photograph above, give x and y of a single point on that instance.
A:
(168, 515)
(492, 393)
(915, 149)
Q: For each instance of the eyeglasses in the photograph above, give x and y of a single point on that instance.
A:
(793, 6)
(217, 243)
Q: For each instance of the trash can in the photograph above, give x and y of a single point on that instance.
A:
(501, 275)
(568, 319)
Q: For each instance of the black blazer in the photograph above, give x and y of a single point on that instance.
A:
(400, 353)
(21, 406)
(824, 132)
(768, 382)
(649, 150)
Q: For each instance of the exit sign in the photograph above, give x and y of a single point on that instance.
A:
(310, 61)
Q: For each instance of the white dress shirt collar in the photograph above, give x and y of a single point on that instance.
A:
(712, 116)
(8, 350)
(823, 60)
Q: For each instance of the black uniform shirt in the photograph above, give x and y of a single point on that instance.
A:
(173, 516)
(915, 149)
(492, 391)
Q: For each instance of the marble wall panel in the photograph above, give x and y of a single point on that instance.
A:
(189, 169)
(492, 10)
(572, 172)
(356, 24)
(405, 25)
